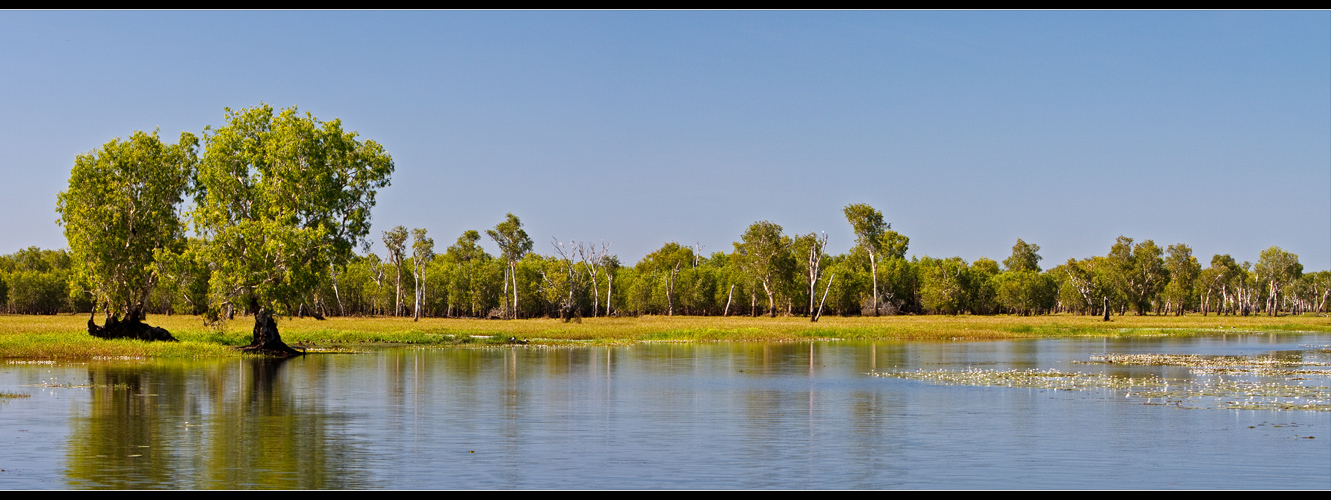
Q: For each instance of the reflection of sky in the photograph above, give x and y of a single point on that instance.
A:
(720, 415)
(968, 130)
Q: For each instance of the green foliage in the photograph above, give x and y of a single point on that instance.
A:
(943, 284)
(1024, 257)
(981, 286)
(1138, 272)
(1275, 270)
(767, 260)
(120, 216)
(282, 199)
(513, 245)
(36, 281)
(1026, 292)
(1183, 268)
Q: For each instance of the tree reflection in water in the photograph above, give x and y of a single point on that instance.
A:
(205, 425)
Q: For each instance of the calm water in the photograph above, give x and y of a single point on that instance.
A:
(725, 415)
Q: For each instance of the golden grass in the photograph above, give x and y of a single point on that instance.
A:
(64, 337)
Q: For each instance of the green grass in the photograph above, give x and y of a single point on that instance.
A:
(63, 337)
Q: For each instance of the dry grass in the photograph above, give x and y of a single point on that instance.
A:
(63, 336)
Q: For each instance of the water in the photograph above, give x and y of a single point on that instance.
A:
(720, 415)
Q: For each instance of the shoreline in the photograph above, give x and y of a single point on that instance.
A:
(63, 337)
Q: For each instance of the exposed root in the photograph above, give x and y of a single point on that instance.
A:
(131, 328)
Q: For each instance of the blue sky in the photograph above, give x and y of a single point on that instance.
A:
(967, 129)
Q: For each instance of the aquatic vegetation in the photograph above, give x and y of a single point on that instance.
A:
(1298, 384)
(1211, 365)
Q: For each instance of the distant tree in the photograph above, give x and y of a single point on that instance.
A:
(982, 286)
(869, 229)
(282, 199)
(666, 263)
(766, 258)
(422, 250)
(1026, 292)
(120, 217)
(395, 242)
(1275, 270)
(513, 245)
(811, 248)
(593, 260)
(466, 249)
(611, 265)
(567, 265)
(1183, 271)
(1024, 257)
(943, 284)
(1139, 271)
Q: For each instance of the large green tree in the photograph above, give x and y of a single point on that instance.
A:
(120, 217)
(282, 198)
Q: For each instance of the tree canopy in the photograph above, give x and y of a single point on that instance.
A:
(120, 215)
(281, 199)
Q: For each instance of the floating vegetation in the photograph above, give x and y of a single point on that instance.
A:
(1212, 365)
(12, 395)
(1032, 378)
(1212, 390)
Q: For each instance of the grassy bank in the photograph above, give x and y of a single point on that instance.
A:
(64, 337)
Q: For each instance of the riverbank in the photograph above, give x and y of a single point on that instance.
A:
(65, 337)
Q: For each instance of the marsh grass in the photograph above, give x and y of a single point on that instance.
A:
(64, 337)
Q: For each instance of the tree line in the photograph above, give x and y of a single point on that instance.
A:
(279, 202)
(767, 272)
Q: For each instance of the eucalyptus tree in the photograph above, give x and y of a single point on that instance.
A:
(1026, 292)
(983, 295)
(1221, 278)
(1183, 272)
(513, 245)
(666, 262)
(466, 249)
(1275, 270)
(395, 242)
(869, 229)
(1024, 257)
(282, 198)
(766, 258)
(593, 259)
(943, 284)
(1139, 271)
(121, 218)
(1083, 285)
(567, 264)
(811, 248)
(610, 264)
(1319, 289)
(422, 251)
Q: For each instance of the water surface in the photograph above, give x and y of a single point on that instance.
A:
(657, 415)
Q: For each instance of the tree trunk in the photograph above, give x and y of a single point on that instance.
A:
(132, 327)
(819, 312)
(266, 339)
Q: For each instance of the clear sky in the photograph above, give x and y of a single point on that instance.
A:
(967, 129)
